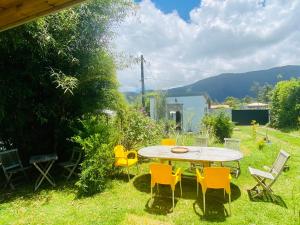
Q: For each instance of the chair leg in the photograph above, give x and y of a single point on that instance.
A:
(128, 174)
(238, 172)
(229, 198)
(204, 202)
(8, 181)
(180, 188)
(197, 188)
(173, 199)
(71, 172)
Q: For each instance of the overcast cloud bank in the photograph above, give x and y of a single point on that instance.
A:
(221, 36)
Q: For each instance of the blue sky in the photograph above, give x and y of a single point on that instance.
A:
(183, 7)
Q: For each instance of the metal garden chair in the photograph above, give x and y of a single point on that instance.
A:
(266, 179)
(200, 142)
(71, 165)
(11, 165)
(233, 143)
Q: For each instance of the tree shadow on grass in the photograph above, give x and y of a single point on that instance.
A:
(25, 191)
(267, 198)
(162, 202)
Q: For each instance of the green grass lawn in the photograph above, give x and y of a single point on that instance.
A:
(129, 202)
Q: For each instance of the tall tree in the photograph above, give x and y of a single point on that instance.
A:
(263, 93)
(54, 70)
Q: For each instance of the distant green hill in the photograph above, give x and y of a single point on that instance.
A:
(235, 84)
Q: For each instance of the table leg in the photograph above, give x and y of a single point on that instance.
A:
(42, 167)
(43, 175)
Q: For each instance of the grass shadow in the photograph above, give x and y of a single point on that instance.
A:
(215, 209)
(189, 187)
(162, 202)
(215, 204)
(26, 191)
(160, 205)
(267, 198)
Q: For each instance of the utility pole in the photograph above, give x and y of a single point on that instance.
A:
(143, 81)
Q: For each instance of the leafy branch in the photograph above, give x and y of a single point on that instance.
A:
(65, 82)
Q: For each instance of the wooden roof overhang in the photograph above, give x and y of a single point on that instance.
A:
(16, 12)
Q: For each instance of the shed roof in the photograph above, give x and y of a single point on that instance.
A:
(257, 104)
(220, 107)
(16, 12)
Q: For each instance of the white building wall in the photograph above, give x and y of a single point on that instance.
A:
(194, 108)
(152, 108)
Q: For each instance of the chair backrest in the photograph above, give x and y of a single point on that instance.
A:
(201, 141)
(216, 177)
(10, 159)
(76, 155)
(232, 143)
(279, 163)
(161, 173)
(168, 141)
(119, 151)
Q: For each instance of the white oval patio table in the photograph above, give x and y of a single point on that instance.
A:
(194, 154)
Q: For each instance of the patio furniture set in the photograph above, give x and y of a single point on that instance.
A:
(12, 165)
(213, 165)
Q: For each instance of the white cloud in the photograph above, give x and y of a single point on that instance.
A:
(222, 36)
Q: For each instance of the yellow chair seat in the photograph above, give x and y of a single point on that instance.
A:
(125, 162)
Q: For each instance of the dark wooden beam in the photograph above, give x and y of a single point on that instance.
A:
(16, 12)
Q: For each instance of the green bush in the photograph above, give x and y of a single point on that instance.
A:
(97, 136)
(219, 126)
(285, 109)
(138, 130)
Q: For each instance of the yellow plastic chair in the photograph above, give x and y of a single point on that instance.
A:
(162, 174)
(216, 178)
(168, 141)
(122, 160)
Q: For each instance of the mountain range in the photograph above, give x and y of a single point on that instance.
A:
(233, 84)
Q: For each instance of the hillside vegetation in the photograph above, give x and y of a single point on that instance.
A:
(236, 84)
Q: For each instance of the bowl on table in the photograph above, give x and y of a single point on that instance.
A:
(179, 149)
